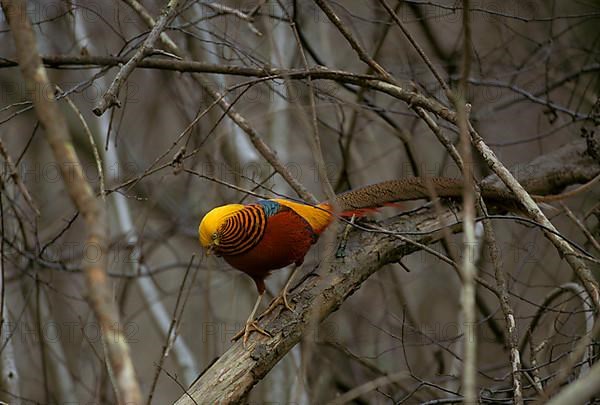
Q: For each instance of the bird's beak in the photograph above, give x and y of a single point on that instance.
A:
(209, 250)
(212, 247)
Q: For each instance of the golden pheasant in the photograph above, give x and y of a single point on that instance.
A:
(268, 235)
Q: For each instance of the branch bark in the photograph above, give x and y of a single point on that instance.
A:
(82, 195)
(233, 375)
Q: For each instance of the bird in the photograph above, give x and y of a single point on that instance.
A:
(261, 237)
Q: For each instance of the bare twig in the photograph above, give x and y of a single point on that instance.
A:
(509, 316)
(581, 226)
(580, 391)
(14, 174)
(435, 128)
(565, 249)
(362, 54)
(369, 386)
(111, 97)
(418, 48)
(577, 264)
(583, 349)
(120, 208)
(221, 8)
(316, 140)
(57, 362)
(145, 15)
(170, 335)
(88, 132)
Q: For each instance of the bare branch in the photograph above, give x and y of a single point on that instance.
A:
(111, 97)
(362, 54)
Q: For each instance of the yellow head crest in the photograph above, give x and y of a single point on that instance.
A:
(212, 221)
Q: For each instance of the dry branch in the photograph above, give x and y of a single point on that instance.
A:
(362, 54)
(233, 375)
(110, 98)
(16, 178)
(534, 212)
(317, 73)
(509, 315)
(82, 195)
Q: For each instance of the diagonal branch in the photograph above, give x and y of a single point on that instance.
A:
(82, 195)
(419, 50)
(233, 375)
(534, 212)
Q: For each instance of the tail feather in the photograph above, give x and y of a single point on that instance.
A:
(360, 212)
(367, 199)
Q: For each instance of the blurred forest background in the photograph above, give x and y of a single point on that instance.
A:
(533, 87)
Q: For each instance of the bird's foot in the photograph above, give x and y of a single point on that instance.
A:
(281, 299)
(251, 326)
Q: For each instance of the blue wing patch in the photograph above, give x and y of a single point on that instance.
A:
(270, 207)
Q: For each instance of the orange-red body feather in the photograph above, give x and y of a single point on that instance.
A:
(265, 236)
(286, 240)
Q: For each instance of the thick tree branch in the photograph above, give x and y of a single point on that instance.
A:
(233, 375)
(230, 378)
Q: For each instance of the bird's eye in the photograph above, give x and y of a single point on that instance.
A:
(214, 236)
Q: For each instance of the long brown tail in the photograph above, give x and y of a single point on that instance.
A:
(411, 188)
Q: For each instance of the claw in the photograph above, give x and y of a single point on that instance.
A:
(277, 301)
(251, 326)
(281, 299)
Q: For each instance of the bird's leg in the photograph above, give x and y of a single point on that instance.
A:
(281, 299)
(251, 324)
